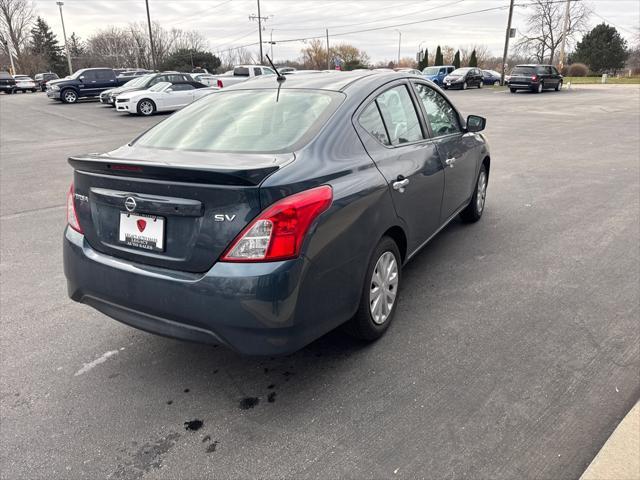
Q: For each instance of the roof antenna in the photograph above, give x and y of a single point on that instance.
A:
(279, 78)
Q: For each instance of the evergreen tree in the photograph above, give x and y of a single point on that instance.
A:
(456, 60)
(185, 60)
(424, 63)
(473, 60)
(602, 49)
(76, 46)
(439, 60)
(45, 44)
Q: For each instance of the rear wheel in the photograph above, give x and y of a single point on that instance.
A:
(380, 293)
(540, 87)
(69, 96)
(480, 85)
(146, 107)
(464, 86)
(559, 87)
(513, 90)
(496, 83)
(473, 211)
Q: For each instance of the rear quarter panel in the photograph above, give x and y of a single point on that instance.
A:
(342, 240)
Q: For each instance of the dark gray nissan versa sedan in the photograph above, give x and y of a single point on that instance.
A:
(267, 214)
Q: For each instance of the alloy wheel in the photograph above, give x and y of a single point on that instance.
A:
(482, 191)
(540, 88)
(70, 96)
(384, 288)
(146, 108)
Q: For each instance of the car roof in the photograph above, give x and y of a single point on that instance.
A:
(534, 65)
(336, 81)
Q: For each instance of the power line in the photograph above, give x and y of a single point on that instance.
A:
(199, 13)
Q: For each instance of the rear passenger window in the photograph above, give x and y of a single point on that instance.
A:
(257, 71)
(399, 116)
(441, 115)
(178, 87)
(371, 121)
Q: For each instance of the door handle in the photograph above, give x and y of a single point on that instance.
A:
(399, 185)
(449, 162)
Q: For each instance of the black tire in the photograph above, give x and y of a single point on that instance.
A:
(513, 90)
(480, 85)
(33, 90)
(68, 95)
(10, 92)
(362, 325)
(143, 109)
(473, 211)
(558, 87)
(540, 88)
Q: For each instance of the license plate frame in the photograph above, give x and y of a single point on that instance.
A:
(132, 226)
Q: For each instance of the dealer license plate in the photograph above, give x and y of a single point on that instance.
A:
(142, 231)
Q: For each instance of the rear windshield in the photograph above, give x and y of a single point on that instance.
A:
(241, 72)
(523, 71)
(246, 121)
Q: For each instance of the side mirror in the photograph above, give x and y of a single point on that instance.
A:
(476, 123)
(81, 77)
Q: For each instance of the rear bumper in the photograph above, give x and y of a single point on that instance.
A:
(251, 308)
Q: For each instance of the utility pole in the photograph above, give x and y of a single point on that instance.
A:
(153, 49)
(506, 42)
(260, 19)
(272, 43)
(564, 34)
(64, 34)
(328, 51)
(399, 43)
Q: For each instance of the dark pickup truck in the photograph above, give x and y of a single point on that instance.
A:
(7, 83)
(88, 82)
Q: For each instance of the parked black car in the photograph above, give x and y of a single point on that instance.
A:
(269, 213)
(108, 97)
(41, 79)
(535, 78)
(7, 83)
(88, 82)
(463, 78)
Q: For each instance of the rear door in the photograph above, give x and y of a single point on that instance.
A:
(395, 137)
(455, 149)
(105, 79)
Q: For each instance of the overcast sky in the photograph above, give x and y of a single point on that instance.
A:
(225, 23)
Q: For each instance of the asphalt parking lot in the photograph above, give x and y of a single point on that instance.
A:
(514, 354)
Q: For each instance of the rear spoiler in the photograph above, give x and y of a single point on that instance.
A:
(177, 173)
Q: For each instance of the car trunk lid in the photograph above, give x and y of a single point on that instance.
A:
(142, 205)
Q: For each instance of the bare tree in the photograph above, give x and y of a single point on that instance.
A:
(16, 19)
(545, 28)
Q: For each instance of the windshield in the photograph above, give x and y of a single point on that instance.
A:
(246, 121)
(459, 71)
(159, 86)
(523, 71)
(431, 70)
(22, 77)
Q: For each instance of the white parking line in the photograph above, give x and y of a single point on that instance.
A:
(96, 362)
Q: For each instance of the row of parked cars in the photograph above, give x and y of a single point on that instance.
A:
(24, 83)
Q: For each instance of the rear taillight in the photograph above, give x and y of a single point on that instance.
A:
(534, 77)
(278, 232)
(219, 83)
(72, 216)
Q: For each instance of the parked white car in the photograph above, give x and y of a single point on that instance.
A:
(162, 97)
(241, 73)
(25, 83)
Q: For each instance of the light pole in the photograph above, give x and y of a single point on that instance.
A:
(64, 34)
(399, 43)
(6, 46)
(565, 27)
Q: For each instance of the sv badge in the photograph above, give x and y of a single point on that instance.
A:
(223, 217)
